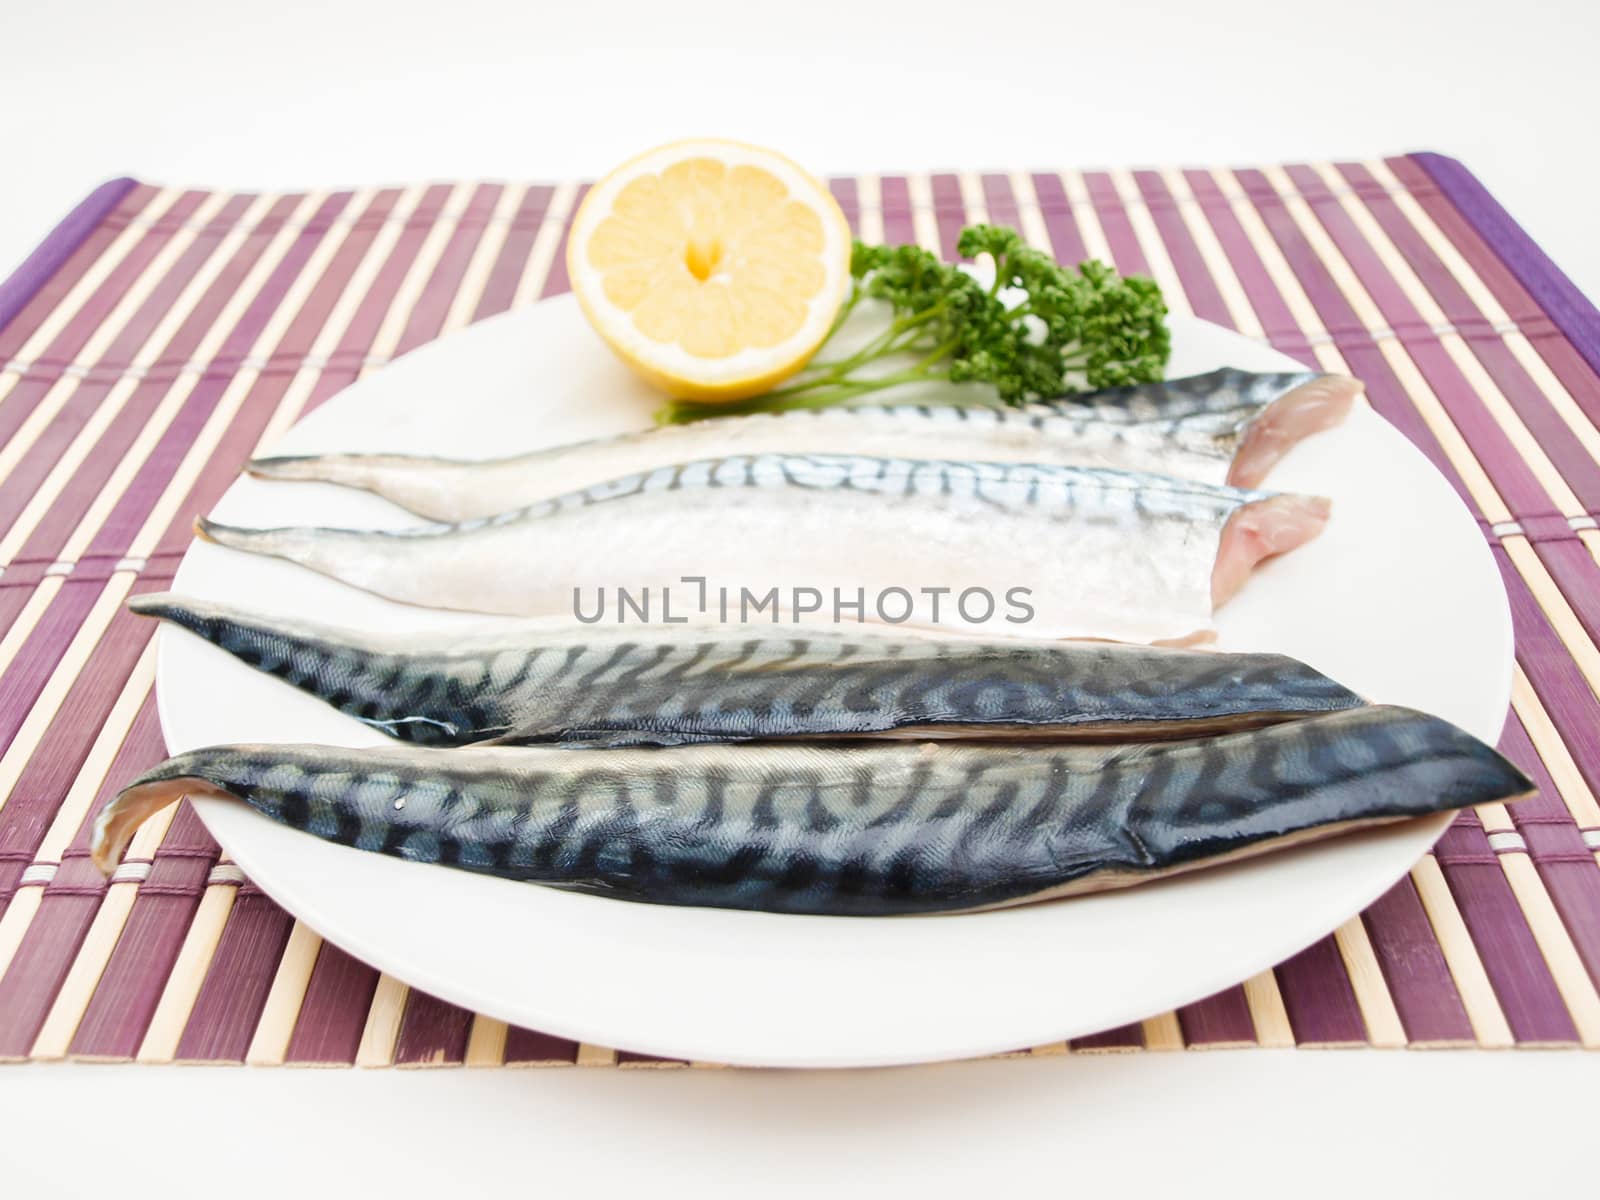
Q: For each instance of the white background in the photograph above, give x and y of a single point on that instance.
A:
(298, 93)
(291, 93)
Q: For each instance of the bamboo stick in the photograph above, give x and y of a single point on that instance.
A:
(1084, 213)
(475, 279)
(869, 205)
(160, 1044)
(923, 222)
(545, 244)
(383, 1023)
(1030, 219)
(270, 1044)
(1555, 945)
(1151, 242)
(14, 923)
(1378, 1011)
(1286, 283)
(486, 1043)
(171, 403)
(201, 450)
(596, 1056)
(1162, 1032)
(1485, 301)
(1240, 310)
(55, 1035)
(1562, 619)
(148, 352)
(1267, 1011)
(1051, 1049)
(345, 309)
(90, 282)
(973, 202)
(61, 680)
(1558, 760)
(1461, 956)
(105, 334)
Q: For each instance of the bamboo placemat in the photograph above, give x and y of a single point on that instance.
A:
(161, 335)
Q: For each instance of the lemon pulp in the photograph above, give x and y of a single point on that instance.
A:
(713, 269)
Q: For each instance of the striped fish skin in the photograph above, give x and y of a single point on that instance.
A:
(1191, 428)
(1106, 554)
(610, 686)
(877, 830)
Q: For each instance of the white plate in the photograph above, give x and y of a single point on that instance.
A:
(1398, 599)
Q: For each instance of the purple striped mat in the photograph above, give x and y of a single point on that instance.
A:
(154, 338)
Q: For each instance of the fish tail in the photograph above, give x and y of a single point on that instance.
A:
(217, 625)
(299, 655)
(118, 822)
(430, 487)
(390, 563)
(193, 615)
(1320, 692)
(307, 545)
(364, 471)
(1319, 777)
(238, 537)
(1266, 437)
(1444, 766)
(316, 468)
(228, 628)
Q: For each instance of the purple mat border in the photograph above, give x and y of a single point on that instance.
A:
(49, 256)
(1573, 312)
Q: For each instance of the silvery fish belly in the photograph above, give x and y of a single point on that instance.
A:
(1227, 426)
(868, 830)
(1060, 551)
(612, 686)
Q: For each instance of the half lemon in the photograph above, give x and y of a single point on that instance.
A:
(714, 269)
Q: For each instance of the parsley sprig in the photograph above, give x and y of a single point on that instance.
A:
(1068, 329)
